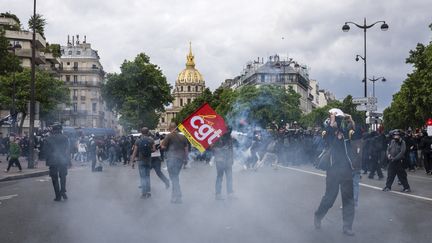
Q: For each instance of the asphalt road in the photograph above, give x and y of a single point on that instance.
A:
(271, 206)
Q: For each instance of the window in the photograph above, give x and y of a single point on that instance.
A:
(75, 77)
(68, 63)
(189, 88)
(188, 100)
(163, 119)
(94, 106)
(181, 102)
(181, 88)
(94, 66)
(75, 65)
(69, 52)
(75, 92)
(75, 106)
(196, 88)
(78, 52)
(67, 78)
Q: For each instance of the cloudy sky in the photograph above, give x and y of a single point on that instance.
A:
(225, 34)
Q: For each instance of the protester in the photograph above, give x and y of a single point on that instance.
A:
(156, 161)
(339, 174)
(426, 147)
(14, 153)
(58, 160)
(143, 147)
(395, 154)
(224, 159)
(176, 147)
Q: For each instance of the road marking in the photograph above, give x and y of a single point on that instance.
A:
(361, 184)
(8, 197)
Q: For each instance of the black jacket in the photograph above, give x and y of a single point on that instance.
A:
(57, 150)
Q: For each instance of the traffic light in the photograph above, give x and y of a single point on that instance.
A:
(429, 122)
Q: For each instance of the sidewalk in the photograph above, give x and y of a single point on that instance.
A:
(14, 174)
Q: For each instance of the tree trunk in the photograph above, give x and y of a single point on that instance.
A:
(21, 123)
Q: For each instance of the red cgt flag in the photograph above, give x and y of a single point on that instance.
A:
(203, 128)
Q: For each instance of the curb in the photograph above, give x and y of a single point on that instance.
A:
(22, 176)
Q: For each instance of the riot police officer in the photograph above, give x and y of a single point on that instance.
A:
(58, 160)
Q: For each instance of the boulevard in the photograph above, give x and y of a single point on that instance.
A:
(270, 206)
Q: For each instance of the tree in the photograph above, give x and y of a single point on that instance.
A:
(14, 17)
(38, 22)
(138, 93)
(319, 115)
(54, 49)
(411, 106)
(255, 105)
(263, 105)
(49, 92)
(9, 63)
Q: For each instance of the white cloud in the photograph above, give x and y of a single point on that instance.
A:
(228, 33)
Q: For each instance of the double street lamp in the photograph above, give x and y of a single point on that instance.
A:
(346, 28)
(373, 80)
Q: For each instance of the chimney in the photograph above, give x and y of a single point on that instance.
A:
(85, 39)
(78, 40)
(68, 41)
(73, 40)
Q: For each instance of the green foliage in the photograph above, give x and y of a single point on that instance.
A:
(8, 61)
(411, 106)
(318, 115)
(256, 105)
(265, 104)
(54, 49)
(49, 91)
(38, 22)
(138, 93)
(12, 16)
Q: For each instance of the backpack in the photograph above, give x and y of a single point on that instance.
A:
(144, 148)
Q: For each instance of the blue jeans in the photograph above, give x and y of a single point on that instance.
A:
(174, 167)
(356, 186)
(412, 159)
(222, 167)
(144, 171)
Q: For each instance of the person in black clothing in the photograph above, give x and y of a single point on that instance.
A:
(395, 154)
(338, 175)
(375, 147)
(426, 147)
(58, 160)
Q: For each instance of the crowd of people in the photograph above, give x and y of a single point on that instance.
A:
(345, 150)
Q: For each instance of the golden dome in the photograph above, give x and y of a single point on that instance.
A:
(190, 74)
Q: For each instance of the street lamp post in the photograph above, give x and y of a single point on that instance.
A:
(346, 28)
(373, 80)
(15, 46)
(32, 93)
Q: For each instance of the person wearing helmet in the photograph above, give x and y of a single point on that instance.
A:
(395, 153)
(58, 160)
(339, 172)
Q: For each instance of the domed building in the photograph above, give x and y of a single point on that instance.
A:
(189, 85)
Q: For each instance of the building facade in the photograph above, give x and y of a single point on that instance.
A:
(81, 70)
(321, 97)
(44, 60)
(275, 71)
(189, 85)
